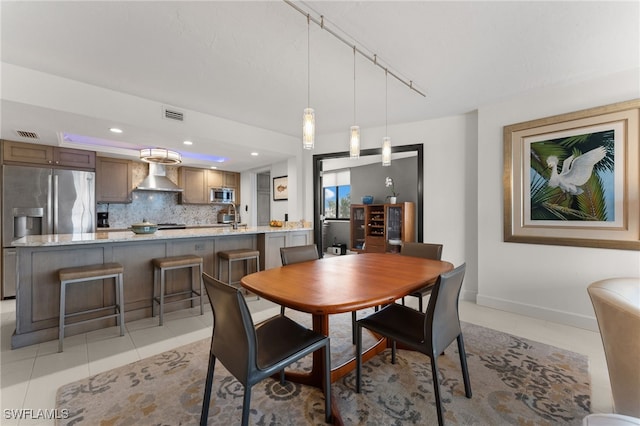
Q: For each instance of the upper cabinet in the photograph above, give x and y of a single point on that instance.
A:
(113, 180)
(46, 155)
(196, 184)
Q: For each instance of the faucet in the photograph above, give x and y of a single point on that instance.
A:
(234, 224)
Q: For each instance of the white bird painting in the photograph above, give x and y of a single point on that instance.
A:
(575, 171)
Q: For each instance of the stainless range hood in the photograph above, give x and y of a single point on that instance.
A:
(157, 180)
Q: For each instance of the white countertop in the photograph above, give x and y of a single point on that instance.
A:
(102, 237)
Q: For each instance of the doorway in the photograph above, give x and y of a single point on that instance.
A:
(263, 192)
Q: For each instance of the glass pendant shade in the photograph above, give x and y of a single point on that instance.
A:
(386, 151)
(354, 142)
(308, 128)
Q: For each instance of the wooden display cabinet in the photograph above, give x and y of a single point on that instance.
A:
(382, 228)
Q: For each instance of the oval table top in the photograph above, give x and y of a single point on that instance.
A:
(345, 283)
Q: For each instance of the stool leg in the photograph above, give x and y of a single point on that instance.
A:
(162, 276)
(258, 270)
(229, 271)
(154, 310)
(63, 286)
(201, 288)
(120, 286)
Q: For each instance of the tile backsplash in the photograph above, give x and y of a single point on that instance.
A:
(158, 207)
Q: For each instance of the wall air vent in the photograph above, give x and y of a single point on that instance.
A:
(25, 134)
(173, 114)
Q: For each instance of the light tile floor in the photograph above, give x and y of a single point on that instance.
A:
(30, 376)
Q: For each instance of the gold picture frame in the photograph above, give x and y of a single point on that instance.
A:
(573, 179)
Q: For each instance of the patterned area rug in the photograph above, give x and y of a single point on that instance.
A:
(514, 382)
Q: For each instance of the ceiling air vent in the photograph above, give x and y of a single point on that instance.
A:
(173, 114)
(25, 134)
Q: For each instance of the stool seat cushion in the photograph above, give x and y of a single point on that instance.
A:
(238, 254)
(176, 261)
(90, 271)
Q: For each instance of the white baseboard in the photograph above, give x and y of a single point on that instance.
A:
(567, 318)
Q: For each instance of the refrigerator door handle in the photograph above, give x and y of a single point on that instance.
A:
(55, 204)
(50, 204)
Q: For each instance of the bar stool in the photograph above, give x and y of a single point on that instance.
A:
(235, 256)
(160, 266)
(91, 273)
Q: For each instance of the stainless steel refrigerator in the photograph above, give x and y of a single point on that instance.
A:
(39, 201)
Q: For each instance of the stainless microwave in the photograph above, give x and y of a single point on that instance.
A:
(222, 195)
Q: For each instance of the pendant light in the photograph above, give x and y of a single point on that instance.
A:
(386, 141)
(308, 116)
(354, 138)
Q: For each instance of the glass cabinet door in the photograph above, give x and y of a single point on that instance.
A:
(394, 216)
(357, 228)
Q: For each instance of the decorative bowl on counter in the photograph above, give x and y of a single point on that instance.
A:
(367, 199)
(145, 227)
(276, 223)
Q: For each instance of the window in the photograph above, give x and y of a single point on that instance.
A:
(336, 194)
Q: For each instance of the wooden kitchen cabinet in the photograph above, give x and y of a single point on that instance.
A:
(46, 155)
(194, 184)
(113, 180)
(215, 178)
(381, 228)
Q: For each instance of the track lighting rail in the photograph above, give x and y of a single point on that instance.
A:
(373, 59)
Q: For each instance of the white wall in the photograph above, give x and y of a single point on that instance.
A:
(543, 281)
(463, 190)
(447, 180)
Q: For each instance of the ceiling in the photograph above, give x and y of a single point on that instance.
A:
(238, 70)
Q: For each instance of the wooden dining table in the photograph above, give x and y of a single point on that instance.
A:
(341, 284)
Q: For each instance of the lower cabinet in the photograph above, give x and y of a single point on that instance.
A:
(269, 243)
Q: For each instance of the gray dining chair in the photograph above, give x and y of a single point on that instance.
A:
(430, 333)
(297, 254)
(426, 251)
(252, 353)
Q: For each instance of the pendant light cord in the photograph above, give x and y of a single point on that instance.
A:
(386, 102)
(354, 85)
(308, 61)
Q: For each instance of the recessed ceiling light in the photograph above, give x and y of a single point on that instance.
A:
(255, 154)
(187, 143)
(214, 167)
(115, 130)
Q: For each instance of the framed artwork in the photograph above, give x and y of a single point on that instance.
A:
(280, 188)
(573, 179)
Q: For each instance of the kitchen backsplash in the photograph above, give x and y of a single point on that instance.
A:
(158, 207)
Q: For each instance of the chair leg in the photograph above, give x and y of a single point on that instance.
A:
(393, 351)
(120, 302)
(327, 382)
(353, 327)
(282, 311)
(420, 303)
(246, 405)
(436, 388)
(463, 364)
(63, 289)
(358, 357)
(403, 301)
(204, 414)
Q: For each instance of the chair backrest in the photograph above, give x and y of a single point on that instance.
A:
(616, 302)
(234, 340)
(424, 250)
(442, 318)
(298, 254)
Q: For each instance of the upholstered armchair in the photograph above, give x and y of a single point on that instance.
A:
(616, 302)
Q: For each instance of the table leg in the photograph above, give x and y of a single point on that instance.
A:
(314, 378)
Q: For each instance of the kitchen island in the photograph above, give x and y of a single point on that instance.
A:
(39, 257)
